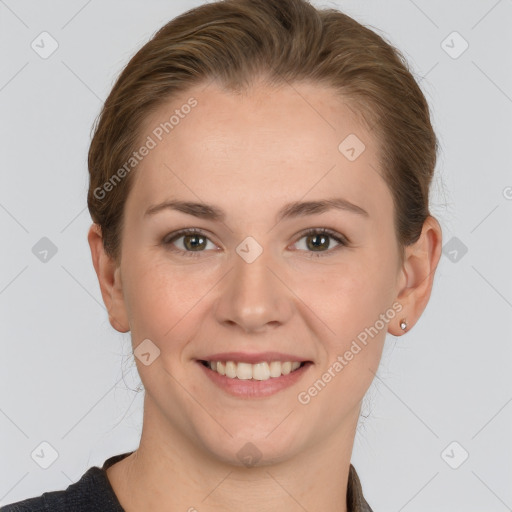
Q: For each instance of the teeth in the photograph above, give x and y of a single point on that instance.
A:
(230, 369)
(275, 369)
(221, 368)
(244, 371)
(286, 368)
(258, 371)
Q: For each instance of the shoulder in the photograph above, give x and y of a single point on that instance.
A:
(355, 498)
(80, 496)
(91, 493)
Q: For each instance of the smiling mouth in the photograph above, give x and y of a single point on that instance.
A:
(259, 371)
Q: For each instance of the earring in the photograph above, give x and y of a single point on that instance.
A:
(403, 325)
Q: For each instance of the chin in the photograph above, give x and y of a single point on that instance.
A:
(253, 447)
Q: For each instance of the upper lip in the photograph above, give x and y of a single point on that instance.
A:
(253, 358)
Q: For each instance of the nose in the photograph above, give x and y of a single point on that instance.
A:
(254, 295)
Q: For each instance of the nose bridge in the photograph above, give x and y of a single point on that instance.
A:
(252, 296)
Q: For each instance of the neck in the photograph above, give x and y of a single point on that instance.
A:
(169, 472)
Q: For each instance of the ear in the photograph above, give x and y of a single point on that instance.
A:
(417, 275)
(109, 277)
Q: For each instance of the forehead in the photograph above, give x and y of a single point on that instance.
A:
(269, 144)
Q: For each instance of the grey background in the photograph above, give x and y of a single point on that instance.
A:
(69, 379)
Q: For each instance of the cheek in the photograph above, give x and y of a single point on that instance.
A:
(351, 306)
(353, 309)
(160, 297)
(351, 297)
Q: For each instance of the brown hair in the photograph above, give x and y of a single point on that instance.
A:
(236, 41)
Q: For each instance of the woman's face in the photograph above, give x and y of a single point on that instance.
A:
(250, 282)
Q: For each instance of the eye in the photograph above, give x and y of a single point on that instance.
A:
(318, 241)
(193, 242)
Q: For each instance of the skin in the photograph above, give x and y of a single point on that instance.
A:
(249, 155)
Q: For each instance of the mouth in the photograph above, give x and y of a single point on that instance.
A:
(262, 371)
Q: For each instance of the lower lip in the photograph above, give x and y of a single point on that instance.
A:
(251, 388)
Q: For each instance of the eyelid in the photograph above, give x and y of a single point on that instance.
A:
(185, 231)
(324, 231)
(341, 240)
(168, 240)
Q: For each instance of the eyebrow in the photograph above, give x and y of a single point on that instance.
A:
(288, 211)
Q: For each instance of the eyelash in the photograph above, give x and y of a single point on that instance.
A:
(340, 239)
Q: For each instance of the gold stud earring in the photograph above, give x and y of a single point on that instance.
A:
(403, 324)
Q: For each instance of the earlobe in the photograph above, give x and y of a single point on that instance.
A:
(419, 268)
(109, 278)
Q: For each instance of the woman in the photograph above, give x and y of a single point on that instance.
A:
(259, 186)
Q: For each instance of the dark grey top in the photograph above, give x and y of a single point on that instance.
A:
(93, 493)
